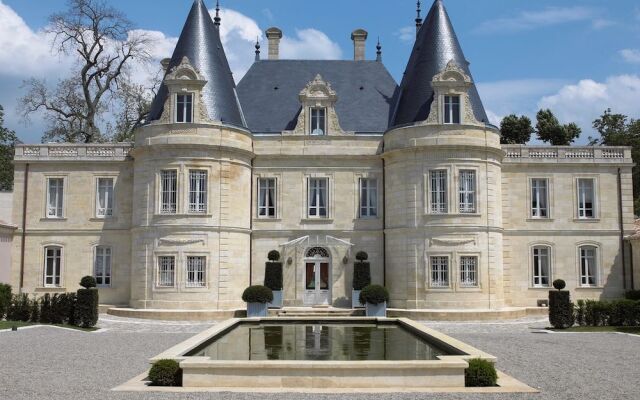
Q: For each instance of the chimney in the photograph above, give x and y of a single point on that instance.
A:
(273, 36)
(359, 37)
(165, 63)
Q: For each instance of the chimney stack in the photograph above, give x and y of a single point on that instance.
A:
(274, 35)
(165, 63)
(359, 37)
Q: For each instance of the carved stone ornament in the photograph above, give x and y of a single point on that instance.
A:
(180, 242)
(452, 241)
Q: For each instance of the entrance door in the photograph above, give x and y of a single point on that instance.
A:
(317, 287)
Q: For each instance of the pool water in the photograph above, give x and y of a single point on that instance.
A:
(318, 342)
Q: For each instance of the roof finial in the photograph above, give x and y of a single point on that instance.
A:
(257, 48)
(216, 20)
(379, 50)
(418, 18)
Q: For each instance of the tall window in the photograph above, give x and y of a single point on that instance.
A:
(440, 271)
(541, 266)
(318, 121)
(318, 196)
(197, 191)
(104, 198)
(468, 271)
(539, 198)
(586, 198)
(451, 109)
(196, 272)
(184, 108)
(52, 266)
(588, 266)
(168, 191)
(55, 197)
(468, 191)
(267, 197)
(439, 192)
(102, 266)
(368, 197)
(166, 271)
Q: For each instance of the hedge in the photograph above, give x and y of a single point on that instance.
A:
(165, 373)
(632, 295)
(374, 294)
(20, 308)
(480, 373)
(361, 275)
(273, 275)
(608, 313)
(86, 309)
(257, 294)
(560, 309)
(5, 299)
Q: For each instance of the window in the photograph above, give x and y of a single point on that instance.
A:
(586, 198)
(52, 266)
(197, 191)
(196, 272)
(468, 271)
(451, 109)
(184, 108)
(368, 197)
(267, 197)
(439, 192)
(102, 266)
(468, 191)
(166, 271)
(318, 126)
(539, 198)
(55, 197)
(541, 266)
(440, 271)
(318, 197)
(168, 191)
(588, 266)
(104, 198)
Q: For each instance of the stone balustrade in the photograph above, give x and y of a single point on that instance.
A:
(566, 154)
(73, 152)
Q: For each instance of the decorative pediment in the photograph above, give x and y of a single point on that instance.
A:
(452, 73)
(318, 90)
(184, 71)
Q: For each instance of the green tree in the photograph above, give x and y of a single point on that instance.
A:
(551, 131)
(515, 130)
(7, 144)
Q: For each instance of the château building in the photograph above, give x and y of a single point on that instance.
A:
(320, 160)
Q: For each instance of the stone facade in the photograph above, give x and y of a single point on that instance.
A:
(6, 235)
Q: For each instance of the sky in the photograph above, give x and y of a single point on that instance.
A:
(576, 57)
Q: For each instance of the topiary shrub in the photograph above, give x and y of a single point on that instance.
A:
(86, 309)
(361, 275)
(71, 311)
(632, 295)
(62, 305)
(274, 255)
(20, 308)
(5, 299)
(480, 373)
(560, 309)
(559, 284)
(88, 282)
(374, 294)
(273, 275)
(165, 373)
(257, 294)
(362, 256)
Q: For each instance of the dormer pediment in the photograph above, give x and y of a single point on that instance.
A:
(318, 90)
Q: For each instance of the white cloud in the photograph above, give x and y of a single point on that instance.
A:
(631, 55)
(238, 33)
(406, 34)
(310, 44)
(528, 20)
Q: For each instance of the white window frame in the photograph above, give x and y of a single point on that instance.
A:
(105, 255)
(106, 211)
(186, 116)
(449, 105)
(580, 198)
(534, 190)
(162, 272)
(440, 271)
(55, 211)
(536, 264)
(594, 261)
(198, 191)
(313, 185)
(166, 205)
(468, 191)
(56, 266)
(269, 208)
(368, 197)
(438, 191)
(197, 269)
(469, 267)
(318, 118)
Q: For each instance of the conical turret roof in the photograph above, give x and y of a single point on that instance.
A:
(436, 45)
(200, 43)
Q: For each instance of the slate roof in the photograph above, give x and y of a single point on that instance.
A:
(269, 93)
(436, 45)
(200, 42)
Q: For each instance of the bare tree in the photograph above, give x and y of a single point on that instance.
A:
(132, 103)
(101, 39)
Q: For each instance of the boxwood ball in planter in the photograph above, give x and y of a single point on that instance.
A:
(257, 298)
(375, 297)
(165, 373)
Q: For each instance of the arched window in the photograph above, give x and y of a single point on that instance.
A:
(317, 252)
(588, 265)
(541, 259)
(52, 266)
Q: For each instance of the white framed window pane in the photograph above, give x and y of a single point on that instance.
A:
(541, 266)
(184, 108)
(588, 266)
(196, 271)
(468, 271)
(102, 266)
(368, 197)
(267, 197)
(104, 197)
(586, 198)
(467, 191)
(439, 192)
(198, 191)
(168, 191)
(318, 197)
(52, 266)
(539, 198)
(166, 271)
(318, 118)
(55, 197)
(440, 271)
(451, 109)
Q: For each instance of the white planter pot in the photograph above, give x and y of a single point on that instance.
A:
(257, 310)
(376, 310)
(277, 299)
(355, 299)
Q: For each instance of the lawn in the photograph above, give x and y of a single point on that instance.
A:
(586, 329)
(19, 324)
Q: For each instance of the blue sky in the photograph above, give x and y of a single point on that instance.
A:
(577, 57)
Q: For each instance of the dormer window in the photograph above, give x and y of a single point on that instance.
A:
(451, 109)
(184, 108)
(318, 121)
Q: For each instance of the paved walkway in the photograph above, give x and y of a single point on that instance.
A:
(52, 363)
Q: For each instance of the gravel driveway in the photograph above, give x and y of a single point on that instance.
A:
(52, 363)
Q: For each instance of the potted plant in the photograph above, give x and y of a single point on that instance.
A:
(361, 278)
(257, 298)
(375, 297)
(273, 278)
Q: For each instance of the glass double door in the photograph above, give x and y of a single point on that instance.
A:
(317, 283)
